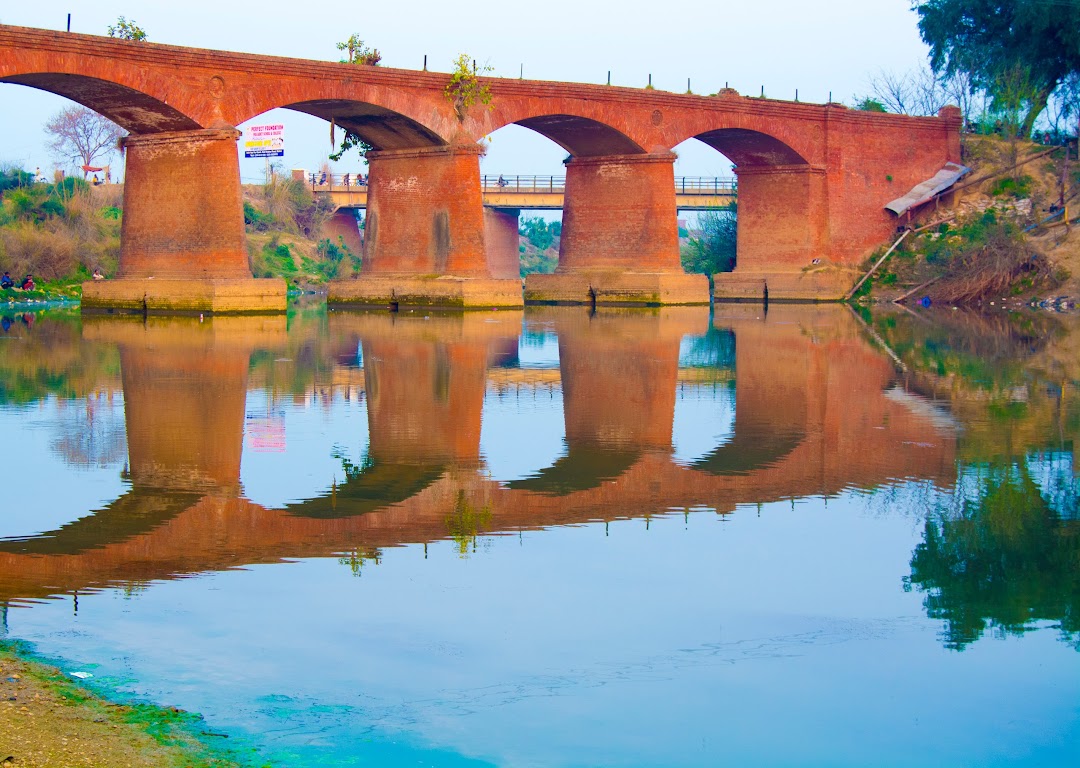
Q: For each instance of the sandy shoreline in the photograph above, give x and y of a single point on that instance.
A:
(47, 719)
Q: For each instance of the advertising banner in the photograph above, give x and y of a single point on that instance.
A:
(264, 141)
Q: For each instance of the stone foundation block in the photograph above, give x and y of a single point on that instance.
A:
(441, 292)
(648, 289)
(829, 284)
(158, 296)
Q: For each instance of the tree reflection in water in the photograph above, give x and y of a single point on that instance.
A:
(1003, 554)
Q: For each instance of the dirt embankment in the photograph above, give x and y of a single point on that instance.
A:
(997, 238)
(47, 720)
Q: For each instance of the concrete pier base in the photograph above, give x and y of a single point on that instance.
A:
(648, 289)
(827, 284)
(175, 296)
(445, 291)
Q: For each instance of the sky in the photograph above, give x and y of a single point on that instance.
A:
(781, 45)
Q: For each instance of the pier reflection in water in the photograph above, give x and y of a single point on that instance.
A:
(487, 604)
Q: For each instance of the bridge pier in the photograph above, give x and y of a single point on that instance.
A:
(501, 239)
(783, 227)
(620, 240)
(182, 243)
(342, 227)
(424, 234)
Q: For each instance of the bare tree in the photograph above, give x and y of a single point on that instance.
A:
(962, 92)
(893, 91)
(80, 135)
(930, 93)
(1063, 107)
(915, 92)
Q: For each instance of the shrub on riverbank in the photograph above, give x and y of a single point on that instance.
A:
(58, 232)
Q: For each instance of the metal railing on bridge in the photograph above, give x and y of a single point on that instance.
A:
(323, 182)
(684, 185)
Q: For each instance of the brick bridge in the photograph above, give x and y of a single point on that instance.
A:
(817, 415)
(813, 179)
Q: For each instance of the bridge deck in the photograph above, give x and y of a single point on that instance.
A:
(692, 193)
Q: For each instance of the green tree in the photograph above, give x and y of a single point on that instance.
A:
(539, 232)
(988, 39)
(465, 89)
(870, 104)
(127, 30)
(712, 249)
(356, 52)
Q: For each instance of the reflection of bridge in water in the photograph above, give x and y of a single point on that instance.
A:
(812, 417)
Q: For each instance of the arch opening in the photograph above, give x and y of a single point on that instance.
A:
(582, 136)
(132, 110)
(382, 128)
(751, 148)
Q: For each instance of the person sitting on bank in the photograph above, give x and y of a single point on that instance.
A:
(97, 274)
(6, 282)
(27, 283)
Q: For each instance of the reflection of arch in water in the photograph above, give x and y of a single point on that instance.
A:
(375, 486)
(134, 514)
(425, 380)
(582, 468)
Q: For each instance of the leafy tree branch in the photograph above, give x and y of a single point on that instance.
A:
(126, 30)
(465, 89)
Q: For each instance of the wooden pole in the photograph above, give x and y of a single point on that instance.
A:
(1064, 177)
(916, 289)
(873, 269)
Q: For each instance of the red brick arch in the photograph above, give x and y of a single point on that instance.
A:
(576, 130)
(138, 105)
(380, 127)
(386, 118)
(752, 138)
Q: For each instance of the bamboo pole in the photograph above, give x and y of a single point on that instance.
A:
(873, 269)
(900, 299)
(881, 342)
(934, 224)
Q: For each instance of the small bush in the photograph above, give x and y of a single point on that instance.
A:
(1018, 188)
(335, 256)
(256, 220)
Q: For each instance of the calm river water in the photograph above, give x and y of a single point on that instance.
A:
(558, 538)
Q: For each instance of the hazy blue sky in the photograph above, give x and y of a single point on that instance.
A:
(782, 45)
